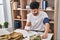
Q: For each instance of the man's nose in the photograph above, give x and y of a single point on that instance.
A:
(33, 11)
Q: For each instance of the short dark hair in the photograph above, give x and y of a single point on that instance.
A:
(34, 5)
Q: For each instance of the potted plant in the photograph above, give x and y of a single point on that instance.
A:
(0, 26)
(6, 24)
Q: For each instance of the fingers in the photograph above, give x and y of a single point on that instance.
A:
(27, 30)
(44, 36)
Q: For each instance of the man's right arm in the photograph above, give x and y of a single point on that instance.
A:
(28, 25)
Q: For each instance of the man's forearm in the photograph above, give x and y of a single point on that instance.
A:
(28, 26)
(47, 27)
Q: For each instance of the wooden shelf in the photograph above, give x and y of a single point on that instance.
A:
(30, 9)
(52, 22)
(17, 19)
(21, 19)
(22, 9)
(24, 19)
(49, 10)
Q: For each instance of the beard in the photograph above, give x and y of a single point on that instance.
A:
(35, 14)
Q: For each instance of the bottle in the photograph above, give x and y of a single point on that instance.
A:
(15, 5)
(44, 4)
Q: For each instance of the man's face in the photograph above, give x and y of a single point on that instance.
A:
(34, 11)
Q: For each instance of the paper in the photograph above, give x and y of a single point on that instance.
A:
(25, 33)
(49, 36)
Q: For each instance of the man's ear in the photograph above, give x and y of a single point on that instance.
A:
(39, 9)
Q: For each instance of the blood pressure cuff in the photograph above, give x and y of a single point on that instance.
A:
(46, 20)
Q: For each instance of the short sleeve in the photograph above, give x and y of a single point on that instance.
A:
(45, 15)
(45, 18)
(28, 18)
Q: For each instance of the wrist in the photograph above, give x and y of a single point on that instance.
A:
(46, 32)
(27, 27)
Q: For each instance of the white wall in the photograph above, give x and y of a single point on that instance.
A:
(1, 2)
(8, 16)
(58, 33)
(5, 12)
(2, 19)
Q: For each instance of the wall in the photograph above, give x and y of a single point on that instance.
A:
(5, 12)
(8, 16)
(2, 18)
(58, 33)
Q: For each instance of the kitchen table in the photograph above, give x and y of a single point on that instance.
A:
(30, 33)
(25, 33)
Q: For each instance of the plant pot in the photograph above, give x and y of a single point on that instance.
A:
(0, 27)
(6, 26)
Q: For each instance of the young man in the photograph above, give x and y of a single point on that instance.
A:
(37, 20)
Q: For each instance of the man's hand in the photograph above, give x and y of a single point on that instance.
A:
(44, 35)
(27, 27)
(27, 30)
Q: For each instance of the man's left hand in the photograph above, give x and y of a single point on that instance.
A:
(44, 35)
